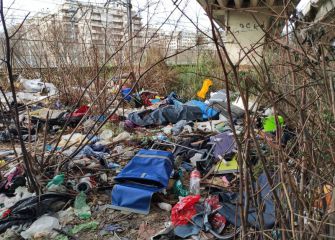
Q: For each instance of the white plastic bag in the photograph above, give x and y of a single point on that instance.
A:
(37, 86)
(32, 85)
(42, 226)
(122, 137)
(107, 135)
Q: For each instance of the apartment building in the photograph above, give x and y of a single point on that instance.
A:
(74, 28)
(95, 23)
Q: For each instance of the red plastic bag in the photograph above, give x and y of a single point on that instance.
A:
(184, 210)
(80, 112)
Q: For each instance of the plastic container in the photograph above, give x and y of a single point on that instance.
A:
(195, 178)
(84, 185)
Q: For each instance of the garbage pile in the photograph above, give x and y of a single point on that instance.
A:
(174, 160)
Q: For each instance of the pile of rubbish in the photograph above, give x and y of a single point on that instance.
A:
(175, 161)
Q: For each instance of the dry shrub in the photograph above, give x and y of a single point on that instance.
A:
(160, 77)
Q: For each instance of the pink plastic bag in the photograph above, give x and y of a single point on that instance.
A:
(184, 210)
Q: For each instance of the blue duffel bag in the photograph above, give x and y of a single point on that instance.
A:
(146, 173)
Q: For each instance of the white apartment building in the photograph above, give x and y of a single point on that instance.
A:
(74, 28)
(182, 40)
(188, 39)
(95, 23)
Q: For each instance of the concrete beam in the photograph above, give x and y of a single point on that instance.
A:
(238, 3)
(253, 3)
(223, 3)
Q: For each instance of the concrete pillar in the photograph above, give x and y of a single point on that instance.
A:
(245, 34)
(244, 22)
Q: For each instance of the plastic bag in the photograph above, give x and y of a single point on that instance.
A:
(79, 112)
(269, 123)
(32, 85)
(44, 224)
(184, 210)
(37, 86)
(66, 216)
(28, 209)
(107, 135)
(84, 227)
(179, 189)
(124, 136)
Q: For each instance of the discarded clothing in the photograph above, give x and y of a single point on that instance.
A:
(179, 126)
(173, 99)
(166, 114)
(13, 179)
(207, 112)
(224, 144)
(188, 147)
(4, 136)
(72, 119)
(232, 212)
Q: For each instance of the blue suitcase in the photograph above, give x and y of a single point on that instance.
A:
(146, 173)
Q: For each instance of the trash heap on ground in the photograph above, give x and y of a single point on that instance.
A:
(166, 169)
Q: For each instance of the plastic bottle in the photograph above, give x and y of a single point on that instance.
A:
(57, 180)
(195, 178)
(82, 210)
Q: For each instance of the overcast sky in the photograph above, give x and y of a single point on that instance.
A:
(19, 8)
